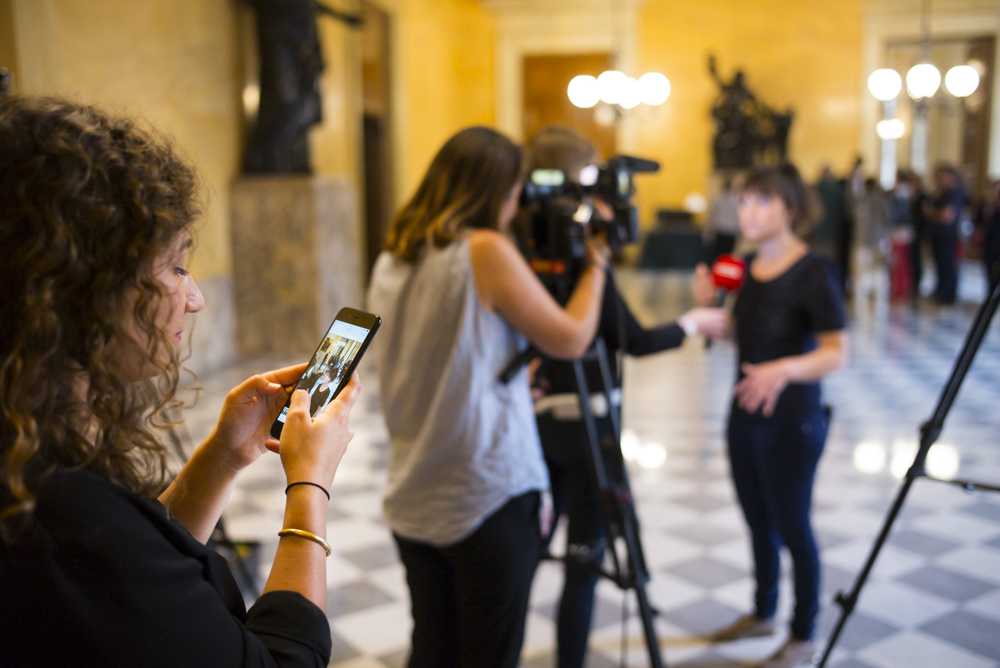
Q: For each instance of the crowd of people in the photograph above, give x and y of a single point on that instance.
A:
(881, 241)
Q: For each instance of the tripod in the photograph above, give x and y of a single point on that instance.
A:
(929, 433)
(610, 481)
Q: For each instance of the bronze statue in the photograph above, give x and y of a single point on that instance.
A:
(748, 132)
(291, 62)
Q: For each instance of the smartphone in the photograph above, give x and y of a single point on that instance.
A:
(334, 361)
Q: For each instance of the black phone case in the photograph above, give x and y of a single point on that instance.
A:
(277, 425)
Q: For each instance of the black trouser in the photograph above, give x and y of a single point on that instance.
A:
(470, 600)
(944, 242)
(773, 464)
(573, 492)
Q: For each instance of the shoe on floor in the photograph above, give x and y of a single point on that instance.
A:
(793, 653)
(747, 626)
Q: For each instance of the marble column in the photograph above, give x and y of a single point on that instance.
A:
(296, 260)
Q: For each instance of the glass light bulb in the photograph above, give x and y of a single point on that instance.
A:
(654, 88)
(890, 129)
(584, 91)
(923, 80)
(885, 84)
(630, 97)
(611, 84)
(962, 81)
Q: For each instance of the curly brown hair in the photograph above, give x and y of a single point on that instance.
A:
(88, 200)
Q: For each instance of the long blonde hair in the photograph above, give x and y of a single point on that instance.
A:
(465, 187)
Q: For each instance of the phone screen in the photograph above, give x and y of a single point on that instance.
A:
(331, 365)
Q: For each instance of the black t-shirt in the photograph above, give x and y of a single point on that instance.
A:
(781, 317)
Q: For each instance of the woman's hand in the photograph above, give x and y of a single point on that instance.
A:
(311, 448)
(244, 428)
(704, 287)
(711, 322)
(762, 384)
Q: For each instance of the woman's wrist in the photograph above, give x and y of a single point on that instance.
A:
(305, 508)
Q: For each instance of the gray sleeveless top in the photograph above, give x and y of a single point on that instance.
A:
(463, 443)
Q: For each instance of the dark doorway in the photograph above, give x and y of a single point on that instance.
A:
(376, 136)
(545, 100)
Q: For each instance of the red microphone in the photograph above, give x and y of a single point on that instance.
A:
(727, 274)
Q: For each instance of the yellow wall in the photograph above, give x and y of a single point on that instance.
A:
(445, 65)
(173, 62)
(803, 55)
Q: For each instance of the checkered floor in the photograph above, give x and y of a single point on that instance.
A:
(933, 599)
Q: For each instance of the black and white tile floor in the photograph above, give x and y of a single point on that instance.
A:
(933, 599)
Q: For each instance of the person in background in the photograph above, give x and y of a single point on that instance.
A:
(458, 302)
(560, 425)
(918, 221)
(871, 246)
(789, 322)
(943, 212)
(723, 225)
(99, 564)
(989, 222)
(829, 233)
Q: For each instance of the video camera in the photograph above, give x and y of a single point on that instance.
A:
(557, 213)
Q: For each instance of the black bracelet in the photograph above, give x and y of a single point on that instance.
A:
(308, 483)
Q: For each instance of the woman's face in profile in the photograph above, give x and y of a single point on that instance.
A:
(180, 296)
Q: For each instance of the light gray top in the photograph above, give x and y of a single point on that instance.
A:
(463, 443)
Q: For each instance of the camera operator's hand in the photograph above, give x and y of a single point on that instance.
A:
(598, 253)
(710, 322)
(704, 287)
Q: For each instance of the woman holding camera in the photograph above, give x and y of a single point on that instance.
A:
(458, 302)
(790, 322)
(95, 569)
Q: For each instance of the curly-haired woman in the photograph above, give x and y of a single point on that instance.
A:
(95, 218)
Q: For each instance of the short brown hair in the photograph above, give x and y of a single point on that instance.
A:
(88, 200)
(557, 147)
(465, 187)
(786, 182)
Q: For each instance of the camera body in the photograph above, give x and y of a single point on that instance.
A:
(556, 214)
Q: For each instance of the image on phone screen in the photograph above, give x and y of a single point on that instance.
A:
(333, 363)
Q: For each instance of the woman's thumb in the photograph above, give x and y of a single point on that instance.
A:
(299, 403)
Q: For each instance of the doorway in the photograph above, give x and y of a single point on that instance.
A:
(545, 100)
(376, 121)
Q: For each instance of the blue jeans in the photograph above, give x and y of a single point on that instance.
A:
(773, 463)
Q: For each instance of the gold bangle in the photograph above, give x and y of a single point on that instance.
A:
(308, 536)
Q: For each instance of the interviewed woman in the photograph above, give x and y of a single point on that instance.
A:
(95, 570)
(790, 322)
(458, 302)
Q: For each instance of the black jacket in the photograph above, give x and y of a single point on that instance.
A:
(102, 577)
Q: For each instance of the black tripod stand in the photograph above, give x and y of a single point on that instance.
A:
(610, 481)
(929, 433)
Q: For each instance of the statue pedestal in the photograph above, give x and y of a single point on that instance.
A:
(296, 260)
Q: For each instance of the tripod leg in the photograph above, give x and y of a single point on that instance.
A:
(929, 435)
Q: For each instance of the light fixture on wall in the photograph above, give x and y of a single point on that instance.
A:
(892, 128)
(617, 89)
